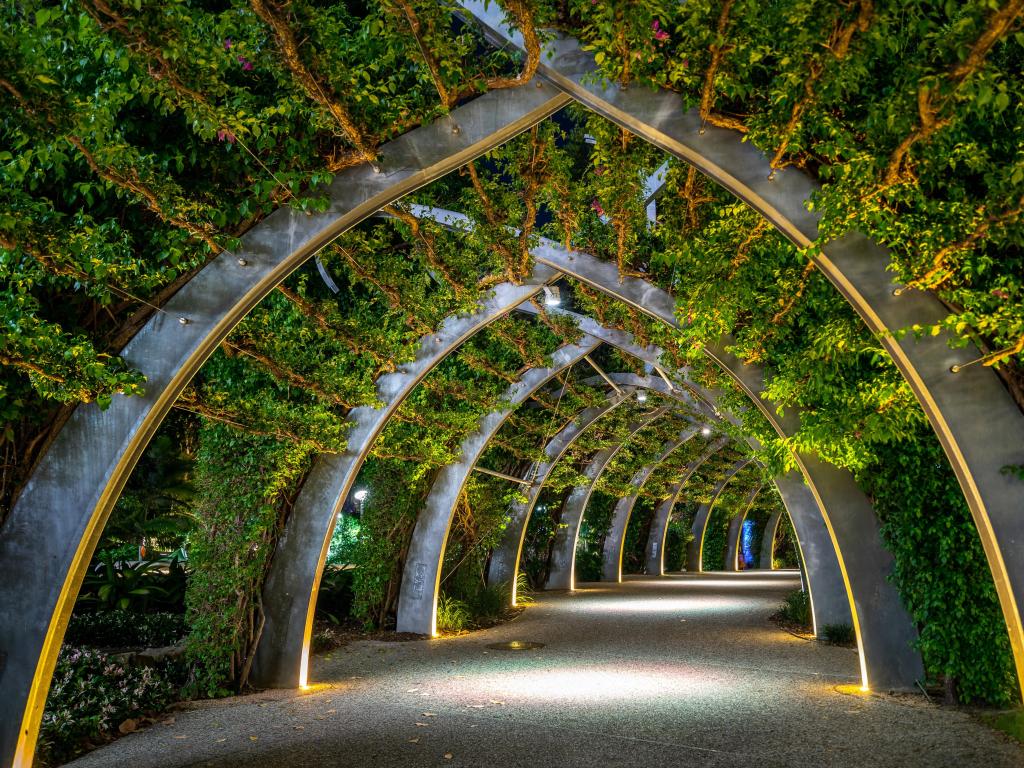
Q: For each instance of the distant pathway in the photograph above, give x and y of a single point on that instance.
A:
(680, 671)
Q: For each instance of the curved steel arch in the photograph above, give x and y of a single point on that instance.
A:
(695, 549)
(655, 549)
(732, 549)
(845, 509)
(961, 406)
(562, 573)
(421, 576)
(771, 530)
(511, 546)
(51, 532)
(503, 568)
(611, 556)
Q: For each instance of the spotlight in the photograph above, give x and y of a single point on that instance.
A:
(361, 494)
(706, 431)
(641, 396)
(552, 296)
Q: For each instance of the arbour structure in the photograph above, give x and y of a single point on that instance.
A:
(48, 538)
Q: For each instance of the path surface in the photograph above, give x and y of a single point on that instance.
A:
(680, 671)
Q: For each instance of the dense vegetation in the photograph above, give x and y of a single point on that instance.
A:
(137, 141)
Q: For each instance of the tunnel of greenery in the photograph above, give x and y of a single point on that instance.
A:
(140, 140)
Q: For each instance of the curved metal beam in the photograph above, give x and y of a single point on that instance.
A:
(655, 550)
(771, 530)
(50, 534)
(292, 586)
(695, 549)
(562, 573)
(611, 561)
(503, 568)
(881, 623)
(515, 532)
(960, 402)
(421, 577)
(732, 548)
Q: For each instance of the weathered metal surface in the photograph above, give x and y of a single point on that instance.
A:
(49, 536)
(962, 407)
(611, 556)
(421, 577)
(562, 573)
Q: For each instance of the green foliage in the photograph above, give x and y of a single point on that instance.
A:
(93, 694)
(344, 540)
(597, 520)
(839, 634)
(716, 538)
(796, 609)
(138, 587)
(336, 595)
(243, 483)
(453, 615)
(941, 570)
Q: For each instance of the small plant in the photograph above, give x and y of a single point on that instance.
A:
(524, 594)
(489, 602)
(94, 696)
(452, 615)
(839, 634)
(796, 609)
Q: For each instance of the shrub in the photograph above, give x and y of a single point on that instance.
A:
(334, 601)
(839, 634)
(452, 614)
(489, 602)
(124, 629)
(93, 694)
(796, 609)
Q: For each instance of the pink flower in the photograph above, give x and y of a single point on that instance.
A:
(999, 293)
(659, 33)
(226, 135)
(228, 44)
(594, 204)
(246, 64)
(599, 170)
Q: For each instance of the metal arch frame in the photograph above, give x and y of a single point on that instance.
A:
(421, 575)
(51, 532)
(292, 585)
(562, 571)
(611, 556)
(847, 512)
(511, 546)
(503, 568)
(732, 549)
(961, 406)
(695, 549)
(654, 551)
(768, 541)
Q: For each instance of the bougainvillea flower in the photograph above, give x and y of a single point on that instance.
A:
(246, 64)
(228, 44)
(659, 33)
(597, 207)
(999, 293)
(226, 135)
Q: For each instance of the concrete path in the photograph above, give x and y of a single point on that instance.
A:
(679, 671)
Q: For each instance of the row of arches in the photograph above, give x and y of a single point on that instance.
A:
(61, 512)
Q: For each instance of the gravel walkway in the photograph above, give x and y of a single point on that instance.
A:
(680, 671)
